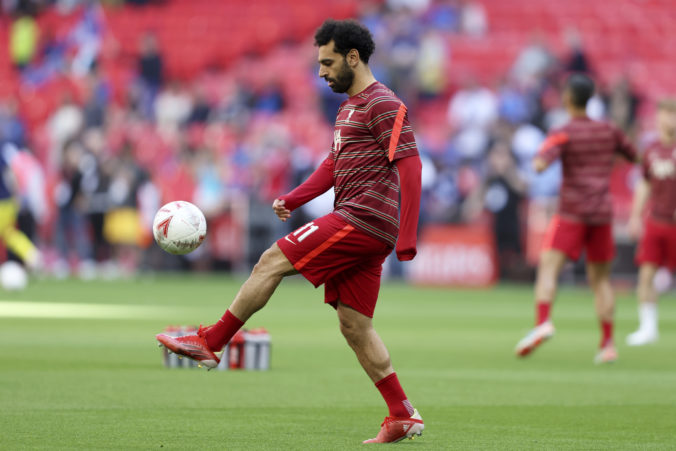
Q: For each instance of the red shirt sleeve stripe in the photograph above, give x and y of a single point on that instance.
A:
(396, 131)
(553, 140)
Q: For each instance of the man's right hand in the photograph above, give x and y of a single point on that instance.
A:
(539, 164)
(280, 210)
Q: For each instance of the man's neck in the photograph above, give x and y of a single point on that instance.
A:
(361, 81)
(577, 113)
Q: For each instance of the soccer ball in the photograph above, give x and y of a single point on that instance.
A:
(179, 227)
(13, 276)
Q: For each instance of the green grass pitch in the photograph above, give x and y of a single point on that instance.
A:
(90, 377)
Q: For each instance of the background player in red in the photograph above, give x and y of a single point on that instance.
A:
(587, 150)
(372, 164)
(657, 245)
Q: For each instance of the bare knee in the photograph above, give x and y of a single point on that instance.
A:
(352, 331)
(354, 327)
(598, 274)
(273, 263)
(550, 266)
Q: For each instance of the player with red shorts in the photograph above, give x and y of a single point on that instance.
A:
(587, 150)
(657, 232)
(372, 164)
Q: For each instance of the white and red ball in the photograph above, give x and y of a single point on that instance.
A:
(179, 227)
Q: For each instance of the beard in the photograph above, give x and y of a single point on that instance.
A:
(343, 80)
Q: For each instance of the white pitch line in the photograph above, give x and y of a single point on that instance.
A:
(29, 309)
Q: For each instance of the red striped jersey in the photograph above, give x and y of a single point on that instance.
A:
(659, 168)
(587, 150)
(372, 131)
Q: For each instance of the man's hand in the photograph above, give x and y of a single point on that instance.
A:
(282, 212)
(539, 164)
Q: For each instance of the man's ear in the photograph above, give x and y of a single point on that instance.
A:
(353, 58)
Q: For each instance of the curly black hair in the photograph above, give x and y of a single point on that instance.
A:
(347, 35)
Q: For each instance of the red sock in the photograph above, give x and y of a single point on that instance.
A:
(220, 333)
(606, 333)
(394, 396)
(542, 309)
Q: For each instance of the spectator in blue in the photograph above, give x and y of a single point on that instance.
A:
(12, 128)
(151, 73)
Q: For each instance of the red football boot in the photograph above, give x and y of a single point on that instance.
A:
(192, 346)
(395, 429)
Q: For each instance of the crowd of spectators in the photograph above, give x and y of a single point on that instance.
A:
(232, 140)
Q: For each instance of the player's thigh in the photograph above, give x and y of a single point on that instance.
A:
(599, 243)
(357, 287)
(670, 247)
(651, 247)
(564, 236)
(329, 247)
(551, 262)
(273, 261)
(314, 240)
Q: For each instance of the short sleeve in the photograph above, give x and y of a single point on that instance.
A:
(389, 125)
(553, 146)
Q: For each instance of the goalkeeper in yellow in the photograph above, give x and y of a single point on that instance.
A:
(13, 239)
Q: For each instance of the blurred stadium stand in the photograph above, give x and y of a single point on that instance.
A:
(242, 116)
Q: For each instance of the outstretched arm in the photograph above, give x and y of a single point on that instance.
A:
(409, 178)
(550, 150)
(318, 183)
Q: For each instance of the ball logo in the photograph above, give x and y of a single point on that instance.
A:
(164, 226)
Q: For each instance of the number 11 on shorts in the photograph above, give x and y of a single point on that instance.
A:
(305, 231)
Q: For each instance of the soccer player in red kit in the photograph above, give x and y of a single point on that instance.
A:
(372, 164)
(657, 245)
(587, 150)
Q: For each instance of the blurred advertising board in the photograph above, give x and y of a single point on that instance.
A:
(461, 255)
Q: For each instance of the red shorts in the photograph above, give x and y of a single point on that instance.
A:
(658, 244)
(571, 237)
(349, 262)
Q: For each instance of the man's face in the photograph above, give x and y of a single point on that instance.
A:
(334, 69)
